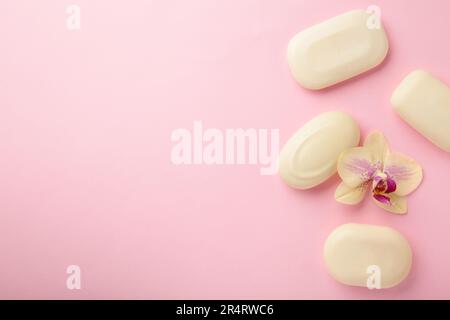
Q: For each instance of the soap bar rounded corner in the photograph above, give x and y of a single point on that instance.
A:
(405, 86)
(352, 250)
(313, 57)
(423, 101)
(310, 155)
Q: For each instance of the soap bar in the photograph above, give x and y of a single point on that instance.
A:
(337, 49)
(310, 156)
(424, 103)
(353, 251)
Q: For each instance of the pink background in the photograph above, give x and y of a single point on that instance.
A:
(85, 170)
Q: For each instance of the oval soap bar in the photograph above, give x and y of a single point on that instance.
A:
(354, 251)
(337, 49)
(424, 103)
(310, 156)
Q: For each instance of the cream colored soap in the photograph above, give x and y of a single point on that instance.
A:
(309, 157)
(352, 250)
(337, 49)
(424, 103)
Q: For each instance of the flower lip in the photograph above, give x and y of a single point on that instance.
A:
(382, 198)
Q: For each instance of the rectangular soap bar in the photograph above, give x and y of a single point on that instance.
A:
(337, 49)
(424, 103)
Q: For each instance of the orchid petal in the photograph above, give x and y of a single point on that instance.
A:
(406, 173)
(378, 145)
(396, 204)
(355, 167)
(347, 195)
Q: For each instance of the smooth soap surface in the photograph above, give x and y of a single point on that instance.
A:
(336, 50)
(424, 103)
(310, 156)
(353, 248)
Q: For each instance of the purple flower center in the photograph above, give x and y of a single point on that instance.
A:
(382, 185)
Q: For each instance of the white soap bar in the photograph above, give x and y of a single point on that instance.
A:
(337, 49)
(355, 253)
(424, 103)
(309, 157)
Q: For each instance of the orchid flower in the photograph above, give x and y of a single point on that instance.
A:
(389, 176)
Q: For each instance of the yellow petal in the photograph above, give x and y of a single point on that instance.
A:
(398, 205)
(355, 166)
(405, 171)
(347, 195)
(378, 146)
